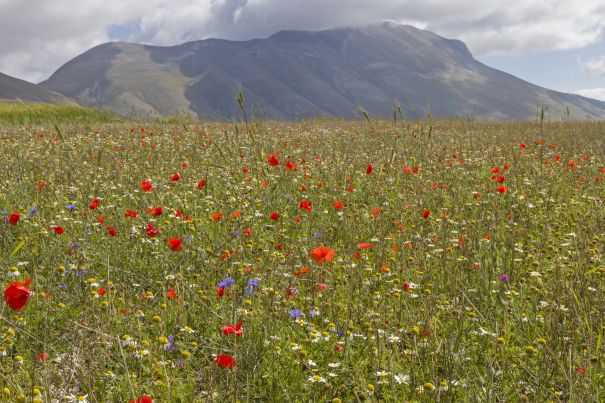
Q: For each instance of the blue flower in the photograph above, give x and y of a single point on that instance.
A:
(32, 211)
(170, 345)
(254, 282)
(71, 207)
(228, 282)
(295, 313)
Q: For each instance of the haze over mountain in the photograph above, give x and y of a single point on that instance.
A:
(295, 74)
(14, 89)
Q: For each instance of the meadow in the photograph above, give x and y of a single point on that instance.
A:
(323, 260)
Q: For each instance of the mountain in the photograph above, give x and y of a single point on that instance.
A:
(295, 74)
(14, 89)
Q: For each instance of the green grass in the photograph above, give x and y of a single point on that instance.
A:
(493, 297)
(23, 114)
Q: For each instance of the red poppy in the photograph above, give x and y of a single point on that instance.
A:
(201, 184)
(171, 293)
(406, 286)
(426, 214)
(338, 205)
(93, 204)
(175, 177)
(522, 145)
(290, 166)
(157, 211)
(176, 244)
(111, 231)
(364, 245)
(322, 254)
(16, 294)
(500, 178)
(225, 361)
(42, 356)
(230, 329)
(306, 205)
(275, 216)
(581, 370)
(102, 291)
(142, 399)
(146, 185)
(217, 216)
(131, 214)
(502, 189)
(57, 230)
(273, 160)
(41, 185)
(369, 169)
(220, 291)
(151, 231)
(302, 271)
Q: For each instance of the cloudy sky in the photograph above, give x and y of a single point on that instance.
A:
(559, 44)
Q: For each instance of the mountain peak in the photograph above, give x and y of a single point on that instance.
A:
(295, 73)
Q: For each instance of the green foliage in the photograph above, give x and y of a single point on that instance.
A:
(16, 113)
(448, 282)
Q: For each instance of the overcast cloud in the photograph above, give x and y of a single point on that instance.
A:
(39, 36)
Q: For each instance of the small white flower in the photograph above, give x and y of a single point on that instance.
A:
(402, 379)
(317, 379)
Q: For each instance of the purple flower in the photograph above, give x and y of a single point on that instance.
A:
(504, 278)
(71, 207)
(295, 313)
(32, 211)
(253, 282)
(228, 282)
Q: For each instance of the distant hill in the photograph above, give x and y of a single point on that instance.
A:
(295, 74)
(14, 89)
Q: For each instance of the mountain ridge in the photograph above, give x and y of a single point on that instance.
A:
(295, 74)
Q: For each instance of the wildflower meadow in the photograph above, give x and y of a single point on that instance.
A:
(323, 260)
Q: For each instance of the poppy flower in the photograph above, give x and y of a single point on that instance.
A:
(304, 204)
(290, 166)
(171, 293)
(302, 271)
(102, 291)
(16, 294)
(157, 211)
(131, 214)
(41, 186)
(151, 231)
(364, 245)
(338, 205)
(217, 216)
(230, 329)
(176, 244)
(111, 231)
(142, 399)
(57, 230)
(275, 216)
(426, 214)
(225, 361)
(369, 169)
(502, 189)
(14, 218)
(406, 286)
(201, 184)
(146, 185)
(322, 254)
(273, 160)
(175, 177)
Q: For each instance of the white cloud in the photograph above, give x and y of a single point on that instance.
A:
(595, 66)
(39, 36)
(595, 93)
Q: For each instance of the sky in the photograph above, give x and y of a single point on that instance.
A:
(558, 44)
